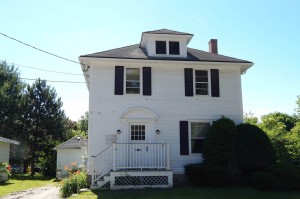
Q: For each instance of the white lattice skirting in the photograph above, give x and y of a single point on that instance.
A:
(141, 179)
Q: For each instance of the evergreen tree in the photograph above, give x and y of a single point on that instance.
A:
(43, 125)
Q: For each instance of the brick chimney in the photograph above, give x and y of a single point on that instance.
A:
(213, 46)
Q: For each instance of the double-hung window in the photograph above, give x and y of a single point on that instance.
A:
(133, 81)
(201, 82)
(198, 133)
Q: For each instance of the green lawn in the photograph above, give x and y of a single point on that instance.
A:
(190, 192)
(20, 182)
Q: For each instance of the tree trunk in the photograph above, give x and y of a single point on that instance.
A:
(32, 160)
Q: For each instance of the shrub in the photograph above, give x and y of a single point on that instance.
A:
(263, 180)
(283, 176)
(72, 184)
(220, 142)
(194, 172)
(254, 149)
(207, 175)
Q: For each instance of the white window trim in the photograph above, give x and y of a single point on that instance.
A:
(141, 81)
(190, 132)
(208, 82)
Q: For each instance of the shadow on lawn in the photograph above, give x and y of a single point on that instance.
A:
(29, 177)
(6, 183)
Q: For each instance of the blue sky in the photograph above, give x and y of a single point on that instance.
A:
(264, 32)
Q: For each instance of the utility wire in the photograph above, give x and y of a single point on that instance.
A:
(56, 81)
(44, 51)
(52, 71)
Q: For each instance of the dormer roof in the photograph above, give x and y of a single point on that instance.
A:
(166, 31)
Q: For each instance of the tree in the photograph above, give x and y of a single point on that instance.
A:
(43, 124)
(249, 118)
(11, 90)
(82, 123)
(297, 109)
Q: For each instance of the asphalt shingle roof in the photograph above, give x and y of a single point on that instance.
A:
(167, 31)
(76, 142)
(135, 52)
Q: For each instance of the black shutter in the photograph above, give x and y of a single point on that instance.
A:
(146, 80)
(119, 80)
(184, 137)
(215, 88)
(188, 81)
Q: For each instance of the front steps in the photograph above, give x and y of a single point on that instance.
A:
(135, 179)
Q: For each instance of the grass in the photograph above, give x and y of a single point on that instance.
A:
(19, 182)
(190, 192)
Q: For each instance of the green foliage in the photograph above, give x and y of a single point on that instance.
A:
(11, 90)
(43, 122)
(73, 184)
(297, 109)
(272, 121)
(254, 149)
(220, 142)
(82, 123)
(194, 172)
(249, 118)
(205, 174)
(279, 176)
(282, 130)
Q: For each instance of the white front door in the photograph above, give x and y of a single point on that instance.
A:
(139, 138)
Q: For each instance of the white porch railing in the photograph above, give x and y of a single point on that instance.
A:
(130, 156)
(141, 156)
(102, 164)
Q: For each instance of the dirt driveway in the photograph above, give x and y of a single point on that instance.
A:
(45, 192)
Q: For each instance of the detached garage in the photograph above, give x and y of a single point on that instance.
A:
(4, 153)
(69, 152)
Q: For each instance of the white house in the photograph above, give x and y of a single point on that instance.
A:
(151, 105)
(73, 150)
(4, 153)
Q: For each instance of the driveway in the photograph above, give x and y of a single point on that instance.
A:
(46, 192)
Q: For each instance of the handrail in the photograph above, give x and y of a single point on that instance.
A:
(130, 156)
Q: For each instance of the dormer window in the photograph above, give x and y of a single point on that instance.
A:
(161, 47)
(174, 48)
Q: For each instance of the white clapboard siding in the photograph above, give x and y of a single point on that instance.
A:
(167, 101)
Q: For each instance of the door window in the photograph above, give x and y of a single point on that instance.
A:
(137, 132)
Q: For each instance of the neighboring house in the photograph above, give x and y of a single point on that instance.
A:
(151, 105)
(73, 150)
(4, 153)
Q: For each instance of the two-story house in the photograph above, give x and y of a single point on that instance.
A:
(151, 104)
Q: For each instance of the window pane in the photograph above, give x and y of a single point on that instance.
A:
(174, 48)
(134, 84)
(137, 132)
(201, 79)
(161, 47)
(197, 145)
(201, 91)
(199, 129)
(201, 72)
(133, 74)
(133, 90)
(202, 85)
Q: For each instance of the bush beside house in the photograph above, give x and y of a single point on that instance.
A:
(242, 154)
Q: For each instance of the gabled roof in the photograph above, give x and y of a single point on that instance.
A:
(2, 139)
(166, 31)
(135, 52)
(76, 142)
